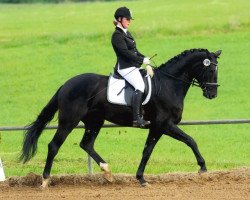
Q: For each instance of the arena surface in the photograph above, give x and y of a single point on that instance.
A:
(218, 185)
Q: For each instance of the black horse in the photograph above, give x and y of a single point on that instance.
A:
(84, 98)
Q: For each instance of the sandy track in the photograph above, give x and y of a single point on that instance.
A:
(233, 184)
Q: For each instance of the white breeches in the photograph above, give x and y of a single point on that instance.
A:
(133, 76)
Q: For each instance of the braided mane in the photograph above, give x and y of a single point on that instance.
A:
(182, 55)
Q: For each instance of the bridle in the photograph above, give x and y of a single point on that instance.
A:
(207, 84)
(194, 82)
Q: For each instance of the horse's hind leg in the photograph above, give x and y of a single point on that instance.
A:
(61, 134)
(91, 132)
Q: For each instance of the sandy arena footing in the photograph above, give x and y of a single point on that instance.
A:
(232, 184)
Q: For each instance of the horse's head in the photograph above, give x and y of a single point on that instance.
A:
(207, 77)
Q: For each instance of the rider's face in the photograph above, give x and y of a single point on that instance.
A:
(125, 22)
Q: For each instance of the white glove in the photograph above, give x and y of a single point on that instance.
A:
(150, 71)
(146, 61)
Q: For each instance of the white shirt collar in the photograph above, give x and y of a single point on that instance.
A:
(124, 29)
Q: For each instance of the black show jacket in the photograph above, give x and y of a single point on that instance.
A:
(125, 49)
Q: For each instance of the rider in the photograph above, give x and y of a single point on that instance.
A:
(129, 60)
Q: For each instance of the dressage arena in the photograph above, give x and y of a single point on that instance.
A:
(232, 184)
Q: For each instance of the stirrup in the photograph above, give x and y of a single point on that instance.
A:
(141, 123)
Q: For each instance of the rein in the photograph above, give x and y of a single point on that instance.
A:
(194, 82)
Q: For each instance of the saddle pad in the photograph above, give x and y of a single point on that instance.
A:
(120, 92)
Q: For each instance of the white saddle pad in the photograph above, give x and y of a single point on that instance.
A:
(121, 93)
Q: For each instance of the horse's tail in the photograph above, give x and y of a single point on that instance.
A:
(34, 130)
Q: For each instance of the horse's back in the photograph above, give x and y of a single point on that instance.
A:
(85, 78)
(82, 86)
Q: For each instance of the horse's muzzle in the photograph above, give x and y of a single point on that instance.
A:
(210, 92)
(210, 96)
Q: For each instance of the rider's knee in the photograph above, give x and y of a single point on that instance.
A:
(140, 87)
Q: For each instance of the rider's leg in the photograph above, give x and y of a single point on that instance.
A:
(133, 76)
(138, 120)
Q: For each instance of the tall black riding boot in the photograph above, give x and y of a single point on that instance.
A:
(138, 120)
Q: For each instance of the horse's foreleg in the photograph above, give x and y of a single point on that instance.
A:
(153, 138)
(87, 144)
(176, 133)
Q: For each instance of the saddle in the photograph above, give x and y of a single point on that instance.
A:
(120, 92)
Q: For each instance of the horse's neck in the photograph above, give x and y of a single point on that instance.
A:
(182, 66)
(180, 74)
(164, 83)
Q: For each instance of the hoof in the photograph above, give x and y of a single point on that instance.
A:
(142, 181)
(146, 184)
(42, 188)
(44, 184)
(107, 173)
(201, 171)
(108, 176)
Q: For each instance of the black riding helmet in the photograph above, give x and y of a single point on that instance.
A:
(123, 12)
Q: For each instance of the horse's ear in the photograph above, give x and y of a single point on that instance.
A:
(217, 53)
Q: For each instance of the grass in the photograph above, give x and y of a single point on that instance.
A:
(223, 147)
(49, 44)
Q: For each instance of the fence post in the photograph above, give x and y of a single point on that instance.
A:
(90, 168)
(2, 176)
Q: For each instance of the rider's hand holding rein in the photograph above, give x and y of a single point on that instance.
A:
(146, 61)
(149, 69)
